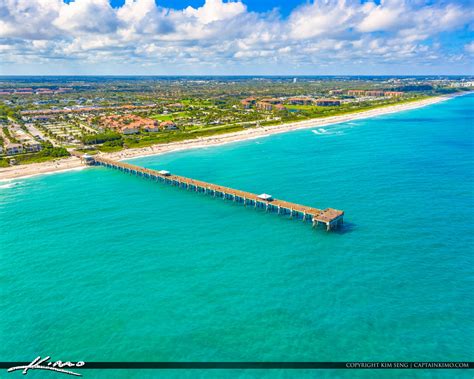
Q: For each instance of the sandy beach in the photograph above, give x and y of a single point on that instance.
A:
(70, 163)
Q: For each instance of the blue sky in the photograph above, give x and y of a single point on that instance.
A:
(192, 37)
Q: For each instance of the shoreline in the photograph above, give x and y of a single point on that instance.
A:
(73, 163)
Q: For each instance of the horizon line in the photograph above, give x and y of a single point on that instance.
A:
(234, 75)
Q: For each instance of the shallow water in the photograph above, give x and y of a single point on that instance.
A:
(101, 266)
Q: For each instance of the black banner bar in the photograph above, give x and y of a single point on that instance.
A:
(259, 365)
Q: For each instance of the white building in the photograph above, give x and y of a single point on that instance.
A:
(13, 148)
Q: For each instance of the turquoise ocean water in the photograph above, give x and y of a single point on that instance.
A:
(100, 266)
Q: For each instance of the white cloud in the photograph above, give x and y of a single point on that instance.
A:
(380, 18)
(28, 19)
(322, 18)
(220, 32)
(86, 16)
(469, 47)
(215, 10)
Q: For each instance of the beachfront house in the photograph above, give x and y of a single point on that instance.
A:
(151, 127)
(248, 102)
(13, 148)
(88, 159)
(356, 92)
(393, 93)
(280, 107)
(32, 146)
(327, 102)
(129, 124)
(263, 105)
(129, 129)
(168, 125)
(300, 100)
(374, 93)
(28, 142)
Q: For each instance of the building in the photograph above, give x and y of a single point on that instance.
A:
(356, 92)
(168, 125)
(28, 142)
(300, 100)
(462, 83)
(128, 124)
(327, 103)
(272, 101)
(85, 110)
(127, 129)
(32, 146)
(393, 93)
(88, 159)
(374, 93)
(280, 107)
(38, 118)
(44, 91)
(336, 92)
(24, 91)
(13, 148)
(265, 196)
(263, 105)
(175, 105)
(152, 127)
(248, 102)
(63, 90)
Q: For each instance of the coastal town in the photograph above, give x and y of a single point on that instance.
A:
(41, 121)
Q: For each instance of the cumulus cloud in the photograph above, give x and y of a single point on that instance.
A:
(215, 10)
(469, 47)
(219, 32)
(29, 19)
(383, 17)
(86, 16)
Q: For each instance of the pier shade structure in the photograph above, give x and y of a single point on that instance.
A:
(331, 218)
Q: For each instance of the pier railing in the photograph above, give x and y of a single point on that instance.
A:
(329, 217)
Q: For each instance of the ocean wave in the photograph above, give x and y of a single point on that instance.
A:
(325, 132)
(9, 185)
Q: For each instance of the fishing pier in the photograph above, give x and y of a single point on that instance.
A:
(331, 218)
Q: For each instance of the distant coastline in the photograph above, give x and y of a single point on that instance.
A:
(73, 163)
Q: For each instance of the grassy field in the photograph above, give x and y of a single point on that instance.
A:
(169, 116)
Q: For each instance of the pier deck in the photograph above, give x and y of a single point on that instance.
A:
(330, 217)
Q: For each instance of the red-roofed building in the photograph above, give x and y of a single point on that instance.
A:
(280, 107)
(129, 124)
(300, 100)
(356, 92)
(393, 93)
(374, 93)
